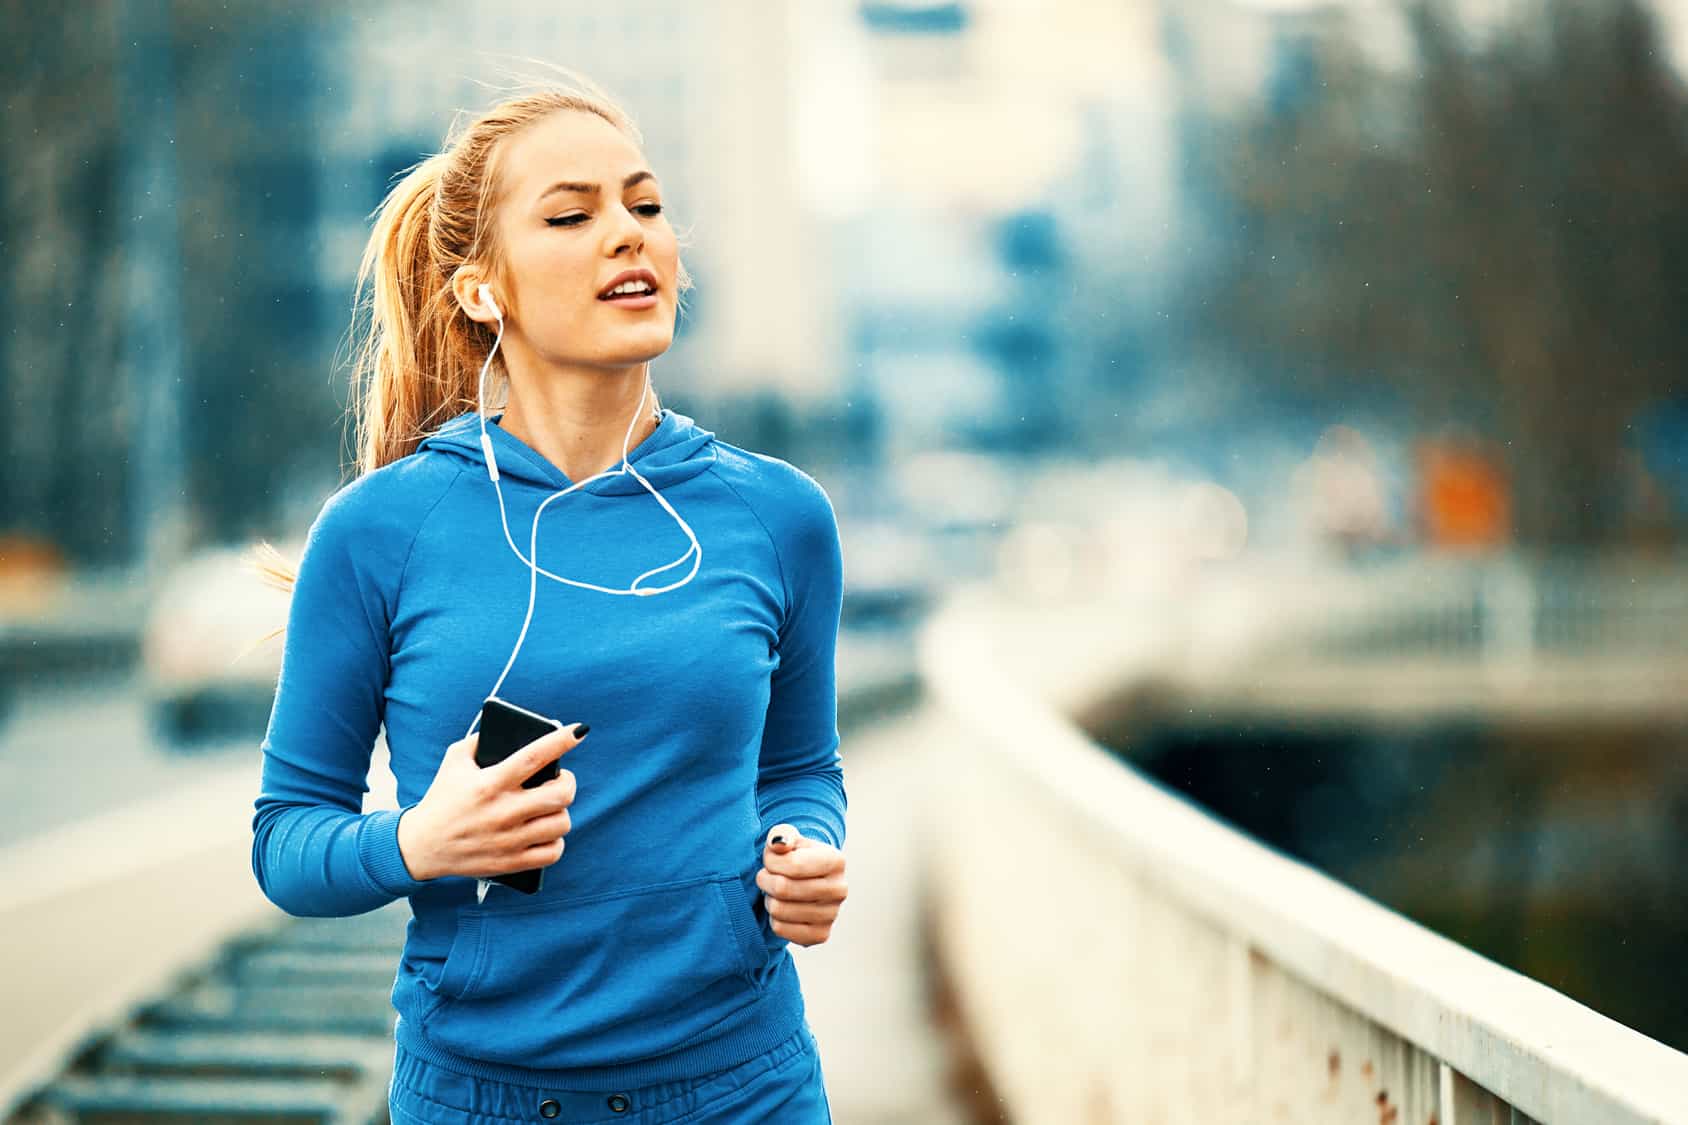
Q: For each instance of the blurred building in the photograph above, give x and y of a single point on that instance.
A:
(164, 316)
(1013, 232)
(64, 429)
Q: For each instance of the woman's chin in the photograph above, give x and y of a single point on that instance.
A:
(635, 355)
(618, 348)
(645, 345)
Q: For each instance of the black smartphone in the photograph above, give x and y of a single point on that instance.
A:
(505, 729)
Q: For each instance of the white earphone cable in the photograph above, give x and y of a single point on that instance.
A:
(531, 560)
(695, 551)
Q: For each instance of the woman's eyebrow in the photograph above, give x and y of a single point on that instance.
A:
(592, 189)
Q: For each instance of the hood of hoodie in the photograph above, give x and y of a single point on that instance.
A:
(678, 449)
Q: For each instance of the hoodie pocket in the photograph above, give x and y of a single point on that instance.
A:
(559, 983)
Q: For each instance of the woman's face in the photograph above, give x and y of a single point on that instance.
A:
(564, 245)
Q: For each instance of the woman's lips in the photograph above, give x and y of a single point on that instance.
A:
(639, 301)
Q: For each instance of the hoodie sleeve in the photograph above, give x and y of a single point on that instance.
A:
(314, 851)
(801, 777)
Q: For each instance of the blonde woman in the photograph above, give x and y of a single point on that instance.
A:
(586, 554)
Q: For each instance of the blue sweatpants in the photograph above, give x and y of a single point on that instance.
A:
(782, 1085)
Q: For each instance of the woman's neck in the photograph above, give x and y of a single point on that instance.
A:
(579, 444)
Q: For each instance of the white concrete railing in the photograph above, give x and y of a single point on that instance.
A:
(1120, 955)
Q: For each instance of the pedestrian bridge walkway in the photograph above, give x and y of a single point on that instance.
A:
(1123, 956)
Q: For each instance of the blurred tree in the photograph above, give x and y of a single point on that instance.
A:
(1497, 231)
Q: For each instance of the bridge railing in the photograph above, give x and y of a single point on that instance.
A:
(1120, 955)
(1502, 607)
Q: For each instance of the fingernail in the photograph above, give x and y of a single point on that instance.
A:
(580, 729)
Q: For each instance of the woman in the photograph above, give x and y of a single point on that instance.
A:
(648, 980)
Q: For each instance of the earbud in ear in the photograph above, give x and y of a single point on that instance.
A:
(486, 297)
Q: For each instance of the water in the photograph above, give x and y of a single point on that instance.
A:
(1553, 852)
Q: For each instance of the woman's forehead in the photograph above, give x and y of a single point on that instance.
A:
(571, 147)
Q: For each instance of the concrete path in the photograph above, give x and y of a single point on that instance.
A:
(885, 1063)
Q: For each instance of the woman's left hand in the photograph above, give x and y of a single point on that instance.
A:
(803, 885)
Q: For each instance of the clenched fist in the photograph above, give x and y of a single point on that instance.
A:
(803, 885)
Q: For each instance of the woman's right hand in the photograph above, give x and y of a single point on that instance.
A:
(482, 822)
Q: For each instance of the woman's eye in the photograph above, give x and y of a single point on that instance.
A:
(649, 210)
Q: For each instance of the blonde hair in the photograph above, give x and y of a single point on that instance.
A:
(419, 362)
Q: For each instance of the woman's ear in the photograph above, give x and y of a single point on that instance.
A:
(475, 296)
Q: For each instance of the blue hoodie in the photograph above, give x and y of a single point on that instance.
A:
(648, 955)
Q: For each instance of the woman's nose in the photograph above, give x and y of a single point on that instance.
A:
(629, 233)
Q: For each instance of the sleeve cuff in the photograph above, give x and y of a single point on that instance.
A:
(378, 849)
(810, 829)
(816, 832)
